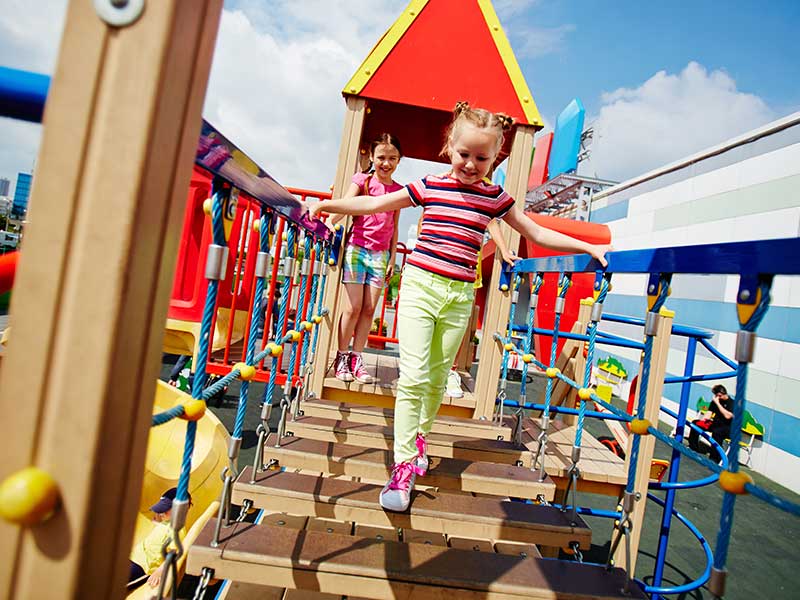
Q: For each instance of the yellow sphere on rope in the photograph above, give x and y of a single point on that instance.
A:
(552, 372)
(207, 206)
(307, 325)
(294, 335)
(275, 349)
(527, 358)
(193, 410)
(28, 497)
(246, 372)
(257, 226)
(317, 319)
(585, 393)
(284, 236)
(639, 426)
(508, 347)
(734, 483)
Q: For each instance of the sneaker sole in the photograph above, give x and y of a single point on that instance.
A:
(345, 378)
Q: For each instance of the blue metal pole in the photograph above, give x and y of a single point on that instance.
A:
(23, 94)
(674, 468)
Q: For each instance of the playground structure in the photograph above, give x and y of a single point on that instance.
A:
(557, 458)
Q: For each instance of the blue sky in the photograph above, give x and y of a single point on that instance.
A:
(659, 80)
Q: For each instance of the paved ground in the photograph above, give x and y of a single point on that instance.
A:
(763, 549)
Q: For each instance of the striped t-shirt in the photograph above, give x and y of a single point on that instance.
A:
(455, 217)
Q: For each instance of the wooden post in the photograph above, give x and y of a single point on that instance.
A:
(76, 389)
(348, 161)
(658, 368)
(498, 303)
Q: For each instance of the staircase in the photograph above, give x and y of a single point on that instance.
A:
(324, 536)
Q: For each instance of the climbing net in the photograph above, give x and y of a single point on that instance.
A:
(313, 272)
(753, 301)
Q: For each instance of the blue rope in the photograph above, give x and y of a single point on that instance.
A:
(269, 389)
(300, 301)
(527, 344)
(511, 310)
(663, 292)
(739, 403)
(563, 285)
(218, 231)
(321, 296)
(772, 499)
(312, 302)
(167, 415)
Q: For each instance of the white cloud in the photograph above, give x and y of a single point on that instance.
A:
(668, 117)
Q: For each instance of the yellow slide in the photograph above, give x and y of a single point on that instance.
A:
(162, 469)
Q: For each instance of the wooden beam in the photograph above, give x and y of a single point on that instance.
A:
(498, 303)
(658, 368)
(349, 157)
(90, 299)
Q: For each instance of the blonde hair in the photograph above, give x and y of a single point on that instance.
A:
(479, 118)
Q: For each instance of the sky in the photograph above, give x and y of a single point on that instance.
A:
(659, 80)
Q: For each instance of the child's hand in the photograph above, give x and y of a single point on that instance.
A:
(598, 251)
(509, 257)
(155, 578)
(314, 210)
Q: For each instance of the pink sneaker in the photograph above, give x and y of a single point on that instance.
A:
(341, 367)
(396, 494)
(358, 370)
(422, 458)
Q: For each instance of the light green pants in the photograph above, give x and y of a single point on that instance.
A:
(432, 317)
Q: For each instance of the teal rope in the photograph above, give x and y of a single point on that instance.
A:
(167, 415)
(312, 302)
(527, 343)
(326, 255)
(300, 301)
(739, 402)
(511, 310)
(564, 284)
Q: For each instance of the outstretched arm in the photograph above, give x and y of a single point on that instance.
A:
(363, 205)
(351, 192)
(553, 239)
(499, 241)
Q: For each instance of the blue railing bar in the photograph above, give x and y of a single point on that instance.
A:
(706, 377)
(780, 256)
(586, 510)
(731, 363)
(700, 581)
(23, 94)
(613, 336)
(218, 155)
(581, 337)
(563, 410)
(682, 330)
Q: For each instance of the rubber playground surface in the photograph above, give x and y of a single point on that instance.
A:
(763, 554)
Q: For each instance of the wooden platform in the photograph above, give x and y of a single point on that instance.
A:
(433, 511)
(341, 564)
(385, 369)
(374, 465)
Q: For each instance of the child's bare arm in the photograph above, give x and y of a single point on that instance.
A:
(499, 241)
(363, 205)
(553, 239)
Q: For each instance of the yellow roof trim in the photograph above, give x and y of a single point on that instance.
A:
(361, 77)
(510, 62)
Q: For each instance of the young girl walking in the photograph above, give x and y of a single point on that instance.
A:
(438, 290)
(368, 259)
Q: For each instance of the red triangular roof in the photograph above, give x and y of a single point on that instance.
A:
(441, 51)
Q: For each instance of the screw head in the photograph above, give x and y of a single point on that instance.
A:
(744, 295)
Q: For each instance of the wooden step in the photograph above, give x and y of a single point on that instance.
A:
(339, 564)
(376, 415)
(455, 514)
(374, 465)
(379, 436)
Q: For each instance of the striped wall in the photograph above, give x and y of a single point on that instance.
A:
(745, 189)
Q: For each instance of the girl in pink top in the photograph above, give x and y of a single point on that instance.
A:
(368, 259)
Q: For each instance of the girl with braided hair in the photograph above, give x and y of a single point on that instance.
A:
(438, 293)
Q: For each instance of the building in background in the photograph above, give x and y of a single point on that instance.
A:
(5, 186)
(22, 192)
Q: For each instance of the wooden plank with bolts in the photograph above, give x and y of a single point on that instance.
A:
(459, 515)
(338, 564)
(120, 130)
(377, 436)
(374, 465)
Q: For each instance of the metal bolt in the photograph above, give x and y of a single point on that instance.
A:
(379, 537)
(329, 530)
(281, 522)
(744, 296)
(523, 554)
(651, 289)
(119, 3)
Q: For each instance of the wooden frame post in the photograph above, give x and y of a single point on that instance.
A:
(498, 303)
(349, 157)
(120, 131)
(655, 387)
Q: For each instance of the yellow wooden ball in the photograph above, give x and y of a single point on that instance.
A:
(585, 394)
(194, 410)
(275, 349)
(527, 358)
(246, 372)
(552, 372)
(639, 426)
(207, 206)
(28, 497)
(734, 482)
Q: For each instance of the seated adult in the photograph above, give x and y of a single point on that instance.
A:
(718, 425)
